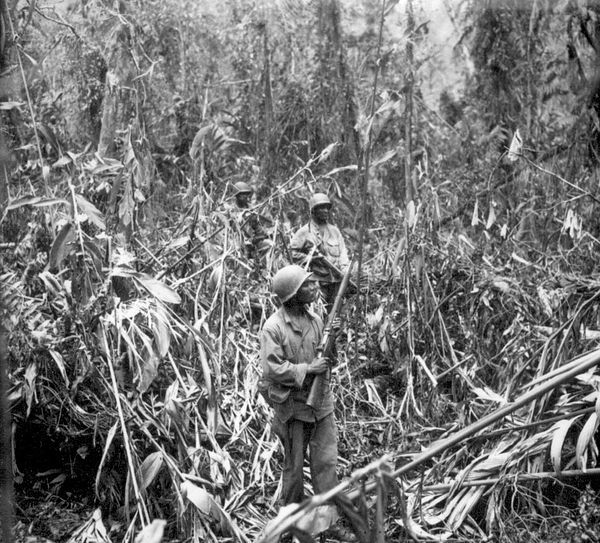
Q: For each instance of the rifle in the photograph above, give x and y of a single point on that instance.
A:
(321, 380)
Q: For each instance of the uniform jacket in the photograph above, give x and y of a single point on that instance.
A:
(288, 344)
(246, 225)
(329, 241)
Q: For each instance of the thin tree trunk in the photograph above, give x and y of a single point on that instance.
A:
(3, 150)
(409, 196)
(337, 93)
(182, 59)
(363, 175)
(268, 108)
(115, 103)
(4, 193)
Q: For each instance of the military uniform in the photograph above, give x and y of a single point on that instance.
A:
(288, 344)
(327, 240)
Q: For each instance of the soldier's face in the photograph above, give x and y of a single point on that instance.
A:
(321, 214)
(242, 199)
(307, 293)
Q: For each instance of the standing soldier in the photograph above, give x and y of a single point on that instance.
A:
(247, 223)
(320, 245)
(288, 352)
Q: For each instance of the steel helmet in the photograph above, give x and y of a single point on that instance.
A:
(319, 199)
(288, 280)
(240, 188)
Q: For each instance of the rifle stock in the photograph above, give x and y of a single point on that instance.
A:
(321, 380)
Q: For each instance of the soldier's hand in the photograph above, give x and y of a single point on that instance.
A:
(336, 326)
(364, 283)
(307, 246)
(318, 365)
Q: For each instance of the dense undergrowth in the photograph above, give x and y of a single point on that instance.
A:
(133, 306)
(134, 368)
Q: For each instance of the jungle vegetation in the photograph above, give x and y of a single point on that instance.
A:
(460, 142)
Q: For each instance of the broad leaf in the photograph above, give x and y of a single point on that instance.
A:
(153, 533)
(158, 289)
(562, 428)
(150, 468)
(149, 371)
(207, 505)
(90, 211)
(59, 247)
(586, 435)
(162, 333)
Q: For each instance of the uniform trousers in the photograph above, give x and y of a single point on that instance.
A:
(320, 438)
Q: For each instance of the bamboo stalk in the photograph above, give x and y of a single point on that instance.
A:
(4, 175)
(144, 517)
(588, 361)
(364, 176)
(502, 431)
(38, 146)
(521, 477)
(408, 188)
(219, 364)
(555, 372)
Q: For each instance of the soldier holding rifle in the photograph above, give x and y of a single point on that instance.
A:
(293, 358)
(320, 245)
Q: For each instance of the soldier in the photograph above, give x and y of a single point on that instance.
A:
(243, 194)
(320, 244)
(248, 223)
(288, 352)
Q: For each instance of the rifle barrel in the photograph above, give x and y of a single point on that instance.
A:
(315, 396)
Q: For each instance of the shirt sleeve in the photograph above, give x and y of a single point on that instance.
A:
(298, 239)
(275, 368)
(297, 246)
(344, 260)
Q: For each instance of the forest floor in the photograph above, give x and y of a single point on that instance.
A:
(45, 517)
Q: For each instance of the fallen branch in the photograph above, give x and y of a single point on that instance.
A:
(585, 363)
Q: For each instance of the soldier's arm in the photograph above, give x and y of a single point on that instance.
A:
(299, 246)
(275, 367)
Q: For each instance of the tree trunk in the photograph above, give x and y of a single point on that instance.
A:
(409, 193)
(268, 110)
(593, 38)
(116, 105)
(336, 92)
(3, 149)
(4, 159)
